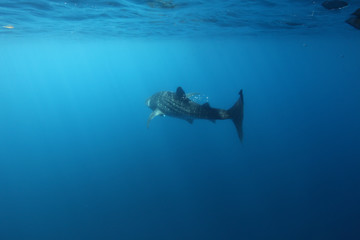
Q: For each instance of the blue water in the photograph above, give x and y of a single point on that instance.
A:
(76, 158)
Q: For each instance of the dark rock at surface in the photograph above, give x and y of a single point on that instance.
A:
(354, 20)
(334, 4)
(357, 13)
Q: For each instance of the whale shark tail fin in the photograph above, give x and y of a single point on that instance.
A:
(236, 113)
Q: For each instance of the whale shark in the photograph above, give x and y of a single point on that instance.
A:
(179, 105)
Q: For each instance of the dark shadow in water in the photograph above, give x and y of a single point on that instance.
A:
(335, 4)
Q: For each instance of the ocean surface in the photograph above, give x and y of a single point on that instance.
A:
(78, 162)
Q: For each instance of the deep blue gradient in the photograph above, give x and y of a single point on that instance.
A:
(77, 162)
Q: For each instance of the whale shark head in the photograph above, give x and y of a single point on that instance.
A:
(152, 101)
(148, 102)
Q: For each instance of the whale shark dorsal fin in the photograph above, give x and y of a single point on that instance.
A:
(155, 113)
(180, 93)
(206, 105)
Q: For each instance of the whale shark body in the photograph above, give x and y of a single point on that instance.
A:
(177, 104)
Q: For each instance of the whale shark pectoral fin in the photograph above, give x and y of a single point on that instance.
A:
(212, 120)
(190, 121)
(155, 113)
(180, 94)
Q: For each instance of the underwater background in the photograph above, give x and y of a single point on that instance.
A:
(76, 158)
